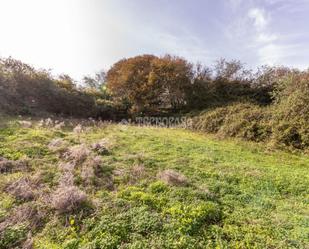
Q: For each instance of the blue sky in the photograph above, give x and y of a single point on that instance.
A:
(80, 37)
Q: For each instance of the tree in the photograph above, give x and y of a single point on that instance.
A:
(173, 76)
(66, 82)
(128, 80)
(96, 82)
(148, 82)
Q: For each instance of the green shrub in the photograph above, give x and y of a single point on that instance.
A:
(145, 221)
(291, 116)
(158, 187)
(189, 218)
(139, 196)
(247, 121)
(12, 236)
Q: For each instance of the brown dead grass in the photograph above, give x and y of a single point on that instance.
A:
(77, 153)
(102, 147)
(173, 177)
(26, 213)
(10, 166)
(23, 189)
(68, 198)
(57, 145)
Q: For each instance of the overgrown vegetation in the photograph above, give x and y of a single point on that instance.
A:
(269, 105)
(284, 123)
(91, 184)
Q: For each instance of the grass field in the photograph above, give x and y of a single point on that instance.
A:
(113, 186)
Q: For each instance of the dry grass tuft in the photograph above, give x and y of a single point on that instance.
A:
(173, 177)
(6, 165)
(57, 144)
(66, 179)
(102, 147)
(67, 199)
(28, 244)
(91, 169)
(77, 153)
(93, 172)
(119, 172)
(47, 123)
(9, 166)
(59, 125)
(23, 189)
(87, 174)
(68, 166)
(137, 172)
(78, 129)
(25, 124)
(27, 212)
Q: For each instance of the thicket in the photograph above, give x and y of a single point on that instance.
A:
(28, 91)
(283, 123)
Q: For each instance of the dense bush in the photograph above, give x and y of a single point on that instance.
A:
(283, 121)
(291, 115)
(246, 121)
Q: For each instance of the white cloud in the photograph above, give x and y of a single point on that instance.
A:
(259, 18)
(264, 40)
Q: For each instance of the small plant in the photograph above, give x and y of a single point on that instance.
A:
(158, 187)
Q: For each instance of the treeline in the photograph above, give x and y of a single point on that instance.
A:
(269, 104)
(149, 84)
(25, 90)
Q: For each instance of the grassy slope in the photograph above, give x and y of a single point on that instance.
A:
(239, 195)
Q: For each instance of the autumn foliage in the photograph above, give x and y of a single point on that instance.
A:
(146, 83)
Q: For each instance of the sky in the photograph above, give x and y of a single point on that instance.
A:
(81, 37)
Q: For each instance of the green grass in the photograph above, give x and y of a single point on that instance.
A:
(239, 195)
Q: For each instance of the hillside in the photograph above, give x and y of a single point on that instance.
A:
(87, 184)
